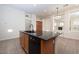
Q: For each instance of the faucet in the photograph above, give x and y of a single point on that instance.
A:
(31, 27)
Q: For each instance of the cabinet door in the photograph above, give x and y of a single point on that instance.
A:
(26, 43)
(22, 39)
(47, 47)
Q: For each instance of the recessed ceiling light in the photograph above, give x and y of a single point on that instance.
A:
(10, 30)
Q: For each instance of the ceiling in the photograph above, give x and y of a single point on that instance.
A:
(39, 9)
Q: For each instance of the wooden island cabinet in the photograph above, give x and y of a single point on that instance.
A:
(24, 41)
(38, 44)
(47, 47)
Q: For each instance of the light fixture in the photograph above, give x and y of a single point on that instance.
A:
(10, 30)
(57, 16)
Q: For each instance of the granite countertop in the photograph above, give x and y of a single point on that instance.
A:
(45, 35)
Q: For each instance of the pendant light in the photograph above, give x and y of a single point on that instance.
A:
(57, 16)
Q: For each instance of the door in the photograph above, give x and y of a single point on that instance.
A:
(38, 26)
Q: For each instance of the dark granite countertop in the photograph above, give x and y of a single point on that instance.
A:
(45, 35)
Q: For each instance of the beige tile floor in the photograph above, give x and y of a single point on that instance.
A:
(11, 46)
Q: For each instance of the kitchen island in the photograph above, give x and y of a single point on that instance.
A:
(38, 42)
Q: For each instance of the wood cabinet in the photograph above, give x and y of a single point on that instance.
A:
(47, 46)
(24, 41)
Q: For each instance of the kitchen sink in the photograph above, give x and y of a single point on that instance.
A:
(30, 31)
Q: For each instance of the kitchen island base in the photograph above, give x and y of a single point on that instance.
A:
(35, 44)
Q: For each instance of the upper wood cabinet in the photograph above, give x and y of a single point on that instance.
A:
(38, 26)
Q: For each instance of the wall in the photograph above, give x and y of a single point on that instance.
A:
(48, 24)
(11, 18)
(68, 19)
(65, 19)
(31, 19)
(66, 23)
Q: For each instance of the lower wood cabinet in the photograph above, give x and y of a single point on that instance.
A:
(24, 41)
(47, 46)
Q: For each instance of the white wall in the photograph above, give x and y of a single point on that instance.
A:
(65, 19)
(66, 23)
(33, 19)
(30, 20)
(11, 18)
(48, 24)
